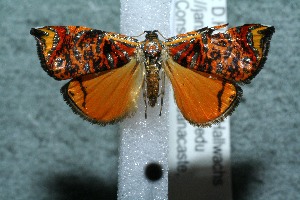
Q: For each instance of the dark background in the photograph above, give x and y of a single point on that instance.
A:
(47, 152)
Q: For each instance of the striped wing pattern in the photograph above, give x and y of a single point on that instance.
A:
(108, 69)
(71, 51)
(237, 55)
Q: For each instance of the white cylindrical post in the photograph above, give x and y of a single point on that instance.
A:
(144, 142)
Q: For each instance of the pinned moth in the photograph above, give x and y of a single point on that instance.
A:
(109, 70)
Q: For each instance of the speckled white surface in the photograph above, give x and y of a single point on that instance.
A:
(144, 141)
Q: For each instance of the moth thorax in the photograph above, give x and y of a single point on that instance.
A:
(152, 81)
(152, 48)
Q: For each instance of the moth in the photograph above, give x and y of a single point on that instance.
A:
(108, 71)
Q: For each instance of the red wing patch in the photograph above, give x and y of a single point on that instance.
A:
(238, 54)
(70, 51)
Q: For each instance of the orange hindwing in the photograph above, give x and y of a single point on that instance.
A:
(108, 69)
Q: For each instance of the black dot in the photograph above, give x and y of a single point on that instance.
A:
(153, 171)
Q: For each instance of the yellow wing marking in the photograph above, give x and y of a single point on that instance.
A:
(257, 37)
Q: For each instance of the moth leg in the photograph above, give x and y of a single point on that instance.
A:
(145, 96)
(162, 92)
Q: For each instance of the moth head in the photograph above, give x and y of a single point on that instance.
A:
(150, 35)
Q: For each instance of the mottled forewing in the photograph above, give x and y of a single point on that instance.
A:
(237, 55)
(71, 51)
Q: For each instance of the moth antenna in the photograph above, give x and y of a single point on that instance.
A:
(161, 34)
(135, 36)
